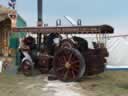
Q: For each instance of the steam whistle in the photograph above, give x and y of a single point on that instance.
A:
(13, 18)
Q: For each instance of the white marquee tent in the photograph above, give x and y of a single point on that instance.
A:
(118, 50)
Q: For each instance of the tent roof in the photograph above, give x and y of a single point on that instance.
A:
(4, 12)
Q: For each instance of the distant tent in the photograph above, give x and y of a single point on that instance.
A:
(8, 39)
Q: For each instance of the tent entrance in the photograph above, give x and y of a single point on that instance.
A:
(5, 27)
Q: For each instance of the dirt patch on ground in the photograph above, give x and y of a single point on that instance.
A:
(59, 88)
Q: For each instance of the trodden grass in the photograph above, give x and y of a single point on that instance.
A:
(110, 83)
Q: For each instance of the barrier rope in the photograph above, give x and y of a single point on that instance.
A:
(116, 36)
(113, 36)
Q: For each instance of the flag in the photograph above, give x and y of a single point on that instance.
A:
(12, 3)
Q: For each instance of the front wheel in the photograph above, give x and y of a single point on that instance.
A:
(26, 68)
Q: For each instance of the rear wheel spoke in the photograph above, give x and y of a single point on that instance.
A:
(70, 57)
(74, 62)
(73, 74)
(66, 74)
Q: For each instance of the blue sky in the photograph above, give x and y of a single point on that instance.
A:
(113, 12)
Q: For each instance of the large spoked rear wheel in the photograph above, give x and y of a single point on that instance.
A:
(69, 65)
(27, 68)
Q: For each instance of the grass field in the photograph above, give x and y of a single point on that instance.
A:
(19, 85)
(110, 83)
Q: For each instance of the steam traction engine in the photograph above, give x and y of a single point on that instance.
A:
(68, 59)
